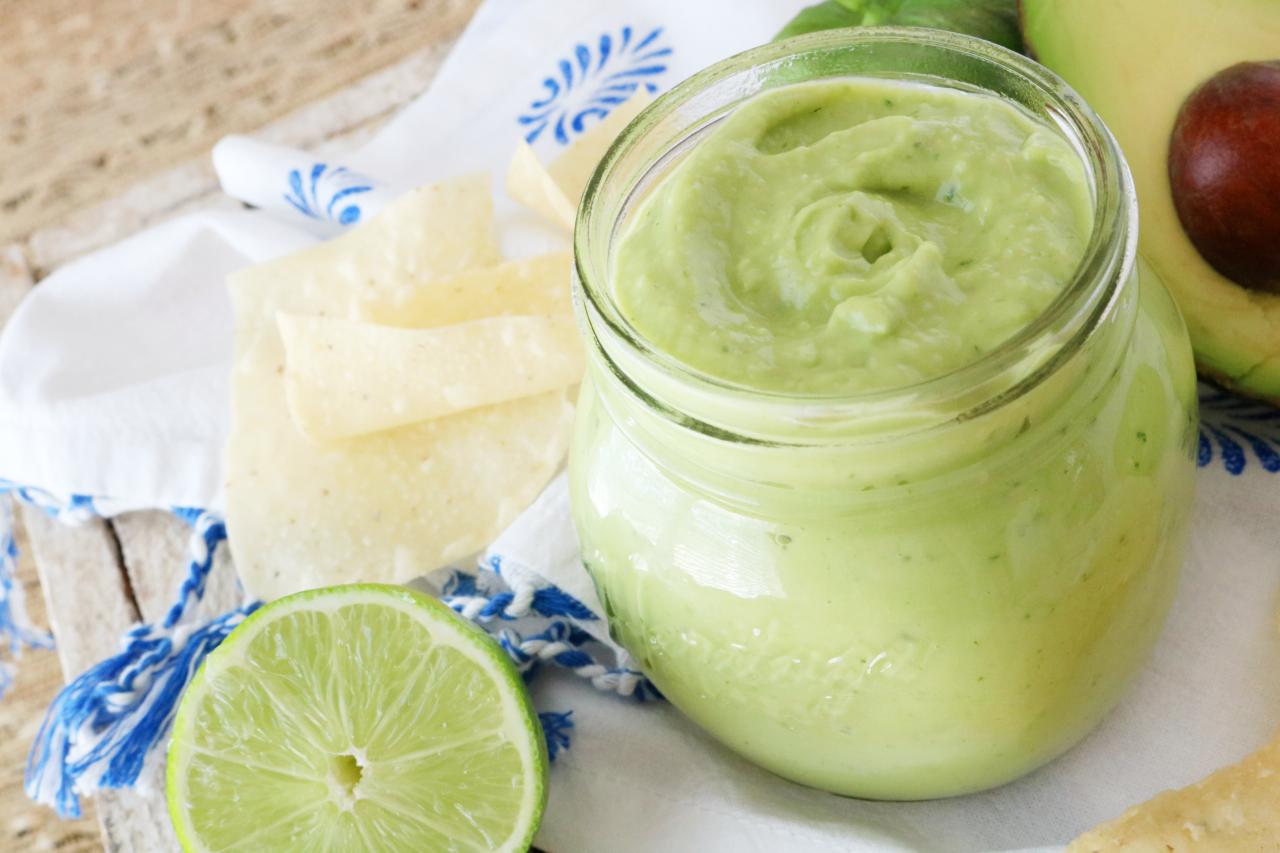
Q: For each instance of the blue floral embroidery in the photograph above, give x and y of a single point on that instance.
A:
(328, 193)
(616, 69)
(1236, 431)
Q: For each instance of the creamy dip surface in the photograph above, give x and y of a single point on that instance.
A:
(854, 235)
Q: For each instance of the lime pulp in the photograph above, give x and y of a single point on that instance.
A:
(361, 717)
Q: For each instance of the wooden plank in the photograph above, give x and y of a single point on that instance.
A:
(90, 608)
(24, 825)
(91, 605)
(85, 588)
(100, 95)
(153, 550)
(93, 601)
(154, 545)
(337, 122)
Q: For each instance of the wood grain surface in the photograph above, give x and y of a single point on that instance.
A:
(99, 93)
(107, 111)
(23, 824)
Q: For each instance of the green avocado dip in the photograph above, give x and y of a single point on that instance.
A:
(854, 235)
(860, 579)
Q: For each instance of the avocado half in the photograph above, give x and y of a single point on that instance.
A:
(1135, 62)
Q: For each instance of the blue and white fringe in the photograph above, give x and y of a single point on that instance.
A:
(103, 727)
(555, 728)
(492, 596)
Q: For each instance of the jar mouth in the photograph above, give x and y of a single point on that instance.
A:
(930, 56)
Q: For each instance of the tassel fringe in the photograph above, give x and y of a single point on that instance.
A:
(560, 642)
(102, 726)
(555, 728)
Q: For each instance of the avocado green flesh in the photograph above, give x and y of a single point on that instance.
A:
(854, 235)
(1136, 62)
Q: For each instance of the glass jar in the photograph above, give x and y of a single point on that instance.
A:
(907, 594)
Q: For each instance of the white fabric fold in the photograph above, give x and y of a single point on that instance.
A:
(113, 371)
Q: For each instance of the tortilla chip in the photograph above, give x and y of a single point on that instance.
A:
(554, 191)
(573, 169)
(344, 378)
(529, 183)
(1236, 808)
(395, 504)
(429, 233)
(538, 285)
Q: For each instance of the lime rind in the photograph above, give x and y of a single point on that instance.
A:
(332, 721)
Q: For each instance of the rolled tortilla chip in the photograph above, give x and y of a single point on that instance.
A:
(572, 170)
(554, 191)
(428, 234)
(529, 183)
(345, 378)
(538, 285)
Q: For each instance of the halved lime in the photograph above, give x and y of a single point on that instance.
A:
(356, 718)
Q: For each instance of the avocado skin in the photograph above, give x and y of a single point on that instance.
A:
(994, 20)
(1135, 62)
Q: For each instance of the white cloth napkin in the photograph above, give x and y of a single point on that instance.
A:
(113, 381)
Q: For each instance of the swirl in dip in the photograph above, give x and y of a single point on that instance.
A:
(854, 235)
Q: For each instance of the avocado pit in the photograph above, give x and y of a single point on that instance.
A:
(1224, 172)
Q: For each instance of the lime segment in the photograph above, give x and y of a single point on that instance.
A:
(360, 717)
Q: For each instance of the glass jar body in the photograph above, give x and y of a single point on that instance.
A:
(921, 631)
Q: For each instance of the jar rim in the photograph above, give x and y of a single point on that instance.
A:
(1084, 303)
